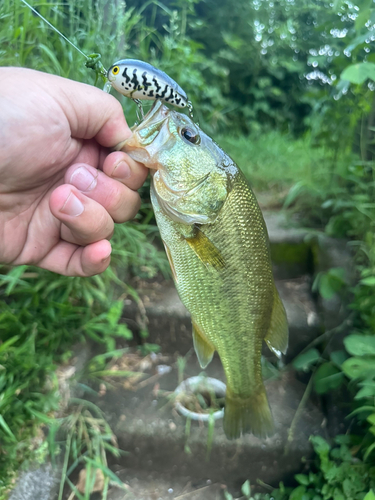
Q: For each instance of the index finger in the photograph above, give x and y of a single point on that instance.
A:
(121, 167)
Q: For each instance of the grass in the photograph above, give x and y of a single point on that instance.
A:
(275, 161)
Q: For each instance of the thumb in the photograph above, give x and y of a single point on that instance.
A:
(91, 112)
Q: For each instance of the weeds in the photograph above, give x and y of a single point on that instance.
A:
(337, 474)
(83, 438)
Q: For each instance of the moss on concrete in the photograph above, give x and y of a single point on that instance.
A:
(290, 253)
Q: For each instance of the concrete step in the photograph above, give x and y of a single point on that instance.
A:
(169, 322)
(165, 486)
(156, 437)
(292, 253)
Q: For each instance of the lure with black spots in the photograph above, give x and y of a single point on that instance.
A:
(139, 80)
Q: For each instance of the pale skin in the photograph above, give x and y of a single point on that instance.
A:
(61, 188)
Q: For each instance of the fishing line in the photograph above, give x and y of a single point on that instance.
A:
(92, 61)
(53, 27)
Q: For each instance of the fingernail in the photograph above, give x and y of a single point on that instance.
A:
(73, 206)
(121, 171)
(83, 179)
(106, 258)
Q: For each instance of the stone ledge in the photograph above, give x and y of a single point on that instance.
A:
(170, 325)
(155, 436)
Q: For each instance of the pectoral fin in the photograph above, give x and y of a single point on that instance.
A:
(203, 348)
(170, 260)
(277, 335)
(206, 250)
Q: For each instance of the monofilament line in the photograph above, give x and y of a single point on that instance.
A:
(52, 26)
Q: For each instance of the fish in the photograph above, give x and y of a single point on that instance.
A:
(217, 245)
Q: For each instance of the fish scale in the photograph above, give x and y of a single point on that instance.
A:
(217, 245)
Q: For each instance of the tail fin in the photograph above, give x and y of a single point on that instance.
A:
(247, 415)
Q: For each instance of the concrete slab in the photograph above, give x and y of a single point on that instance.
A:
(291, 252)
(160, 441)
(156, 486)
(40, 483)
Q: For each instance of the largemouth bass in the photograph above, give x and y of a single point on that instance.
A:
(217, 245)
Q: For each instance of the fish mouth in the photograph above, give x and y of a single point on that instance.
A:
(149, 136)
(155, 116)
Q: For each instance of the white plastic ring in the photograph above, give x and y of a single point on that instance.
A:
(196, 385)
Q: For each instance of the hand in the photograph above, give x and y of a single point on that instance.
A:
(61, 190)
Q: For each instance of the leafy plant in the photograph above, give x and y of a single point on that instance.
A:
(337, 474)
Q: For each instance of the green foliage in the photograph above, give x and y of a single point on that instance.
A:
(340, 475)
(359, 73)
(329, 283)
(41, 316)
(272, 160)
(337, 474)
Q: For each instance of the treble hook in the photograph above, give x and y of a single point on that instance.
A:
(190, 108)
(139, 109)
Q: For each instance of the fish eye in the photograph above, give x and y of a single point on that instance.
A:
(190, 135)
(115, 70)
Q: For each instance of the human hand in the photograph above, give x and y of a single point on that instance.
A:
(61, 190)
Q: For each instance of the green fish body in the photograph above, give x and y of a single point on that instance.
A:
(217, 245)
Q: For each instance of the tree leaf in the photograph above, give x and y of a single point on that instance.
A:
(298, 493)
(302, 479)
(338, 357)
(360, 345)
(320, 446)
(370, 281)
(370, 495)
(362, 19)
(359, 73)
(327, 377)
(246, 489)
(366, 392)
(306, 359)
(359, 367)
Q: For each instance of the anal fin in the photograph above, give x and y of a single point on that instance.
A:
(203, 348)
(277, 335)
(206, 250)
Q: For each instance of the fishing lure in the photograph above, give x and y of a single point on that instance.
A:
(139, 80)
